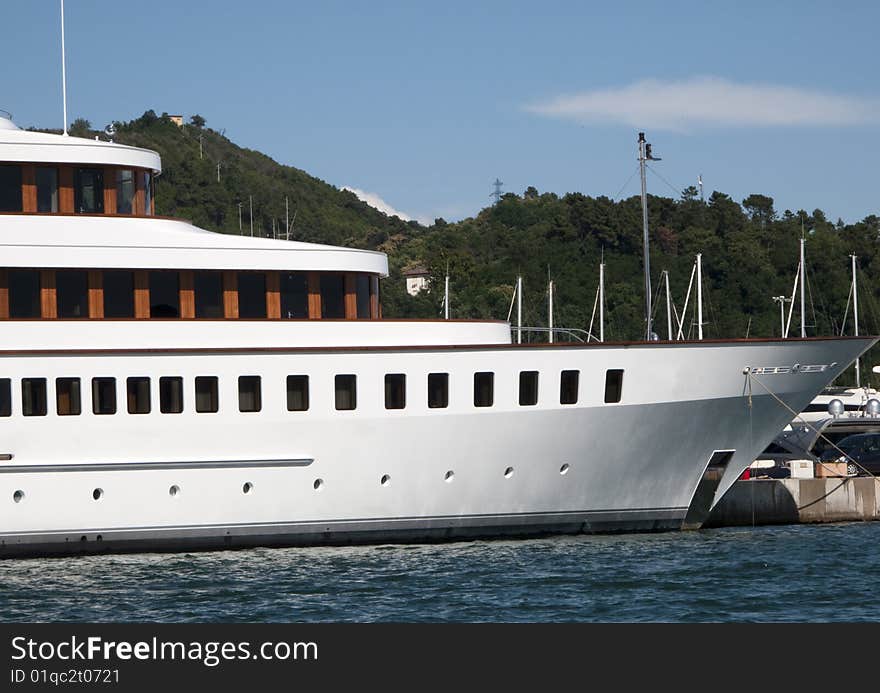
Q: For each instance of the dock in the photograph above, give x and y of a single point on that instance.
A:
(797, 501)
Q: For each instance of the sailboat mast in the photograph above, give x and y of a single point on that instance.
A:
(643, 157)
(699, 295)
(602, 301)
(855, 313)
(519, 309)
(803, 306)
(668, 307)
(550, 309)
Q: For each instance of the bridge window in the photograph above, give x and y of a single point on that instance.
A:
(613, 385)
(297, 392)
(24, 294)
(72, 293)
(207, 400)
(88, 191)
(484, 389)
(170, 395)
(251, 295)
(118, 294)
(395, 391)
(362, 292)
(568, 387)
(5, 397)
(104, 395)
(47, 189)
(528, 388)
(68, 400)
(10, 189)
(209, 294)
(148, 193)
(332, 296)
(249, 398)
(438, 390)
(294, 295)
(125, 191)
(33, 396)
(346, 392)
(138, 395)
(164, 295)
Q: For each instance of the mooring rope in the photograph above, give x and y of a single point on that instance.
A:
(797, 415)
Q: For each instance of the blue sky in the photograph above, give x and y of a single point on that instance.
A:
(424, 104)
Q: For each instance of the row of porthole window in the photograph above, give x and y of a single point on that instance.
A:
(34, 396)
(318, 484)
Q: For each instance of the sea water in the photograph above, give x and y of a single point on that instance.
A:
(783, 573)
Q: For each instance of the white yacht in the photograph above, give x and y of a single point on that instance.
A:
(164, 387)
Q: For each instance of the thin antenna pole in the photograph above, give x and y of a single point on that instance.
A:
(519, 309)
(803, 307)
(700, 183)
(251, 205)
(446, 295)
(855, 313)
(602, 301)
(239, 218)
(550, 309)
(699, 296)
(63, 70)
(668, 307)
(642, 160)
(286, 215)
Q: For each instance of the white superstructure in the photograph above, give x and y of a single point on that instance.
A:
(165, 387)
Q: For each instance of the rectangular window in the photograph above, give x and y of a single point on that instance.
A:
(33, 396)
(148, 193)
(294, 295)
(528, 388)
(438, 390)
(10, 189)
(104, 395)
(613, 385)
(138, 390)
(5, 397)
(395, 390)
(88, 191)
(164, 295)
(68, 400)
(207, 398)
(568, 387)
(484, 389)
(47, 189)
(125, 191)
(332, 296)
(251, 295)
(24, 294)
(297, 392)
(209, 294)
(346, 392)
(362, 292)
(249, 393)
(170, 395)
(118, 294)
(72, 293)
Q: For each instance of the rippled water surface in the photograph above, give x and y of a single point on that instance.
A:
(792, 573)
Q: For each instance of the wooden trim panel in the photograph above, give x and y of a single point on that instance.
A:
(96, 294)
(48, 295)
(230, 295)
(110, 190)
(187, 295)
(29, 188)
(351, 309)
(4, 294)
(142, 295)
(273, 295)
(314, 283)
(65, 189)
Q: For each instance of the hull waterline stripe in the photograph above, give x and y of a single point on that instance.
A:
(141, 466)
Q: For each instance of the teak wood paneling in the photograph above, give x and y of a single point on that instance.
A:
(273, 295)
(138, 193)
(110, 190)
(187, 295)
(142, 295)
(351, 307)
(4, 295)
(96, 294)
(375, 308)
(314, 281)
(48, 295)
(230, 294)
(29, 188)
(65, 189)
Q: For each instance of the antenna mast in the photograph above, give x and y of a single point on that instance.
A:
(497, 193)
(644, 156)
(803, 306)
(855, 313)
(63, 70)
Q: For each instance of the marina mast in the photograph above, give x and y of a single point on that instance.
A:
(644, 157)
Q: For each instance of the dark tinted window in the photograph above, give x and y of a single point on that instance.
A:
(33, 396)
(10, 189)
(88, 191)
(68, 398)
(24, 294)
(438, 390)
(395, 391)
(332, 296)
(362, 290)
(528, 388)
(47, 189)
(249, 396)
(297, 392)
(118, 294)
(104, 395)
(568, 387)
(484, 386)
(164, 295)
(125, 191)
(294, 295)
(207, 400)
(138, 391)
(5, 397)
(72, 293)
(613, 385)
(148, 192)
(251, 295)
(209, 294)
(346, 392)
(170, 395)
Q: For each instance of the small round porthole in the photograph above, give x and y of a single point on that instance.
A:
(98, 494)
(385, 480)
(564, 468)
(247, 488)
(450, 475)
(318, 485)
(174, 490)
(18, 496)
(508, 472)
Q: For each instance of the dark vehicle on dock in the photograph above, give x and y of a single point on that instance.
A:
(862, 454)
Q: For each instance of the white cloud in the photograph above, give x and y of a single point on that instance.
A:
(710, 101)
(374, 200)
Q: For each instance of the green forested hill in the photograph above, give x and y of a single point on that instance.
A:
(750, 250)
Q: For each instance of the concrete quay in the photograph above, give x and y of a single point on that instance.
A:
(797, 501)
